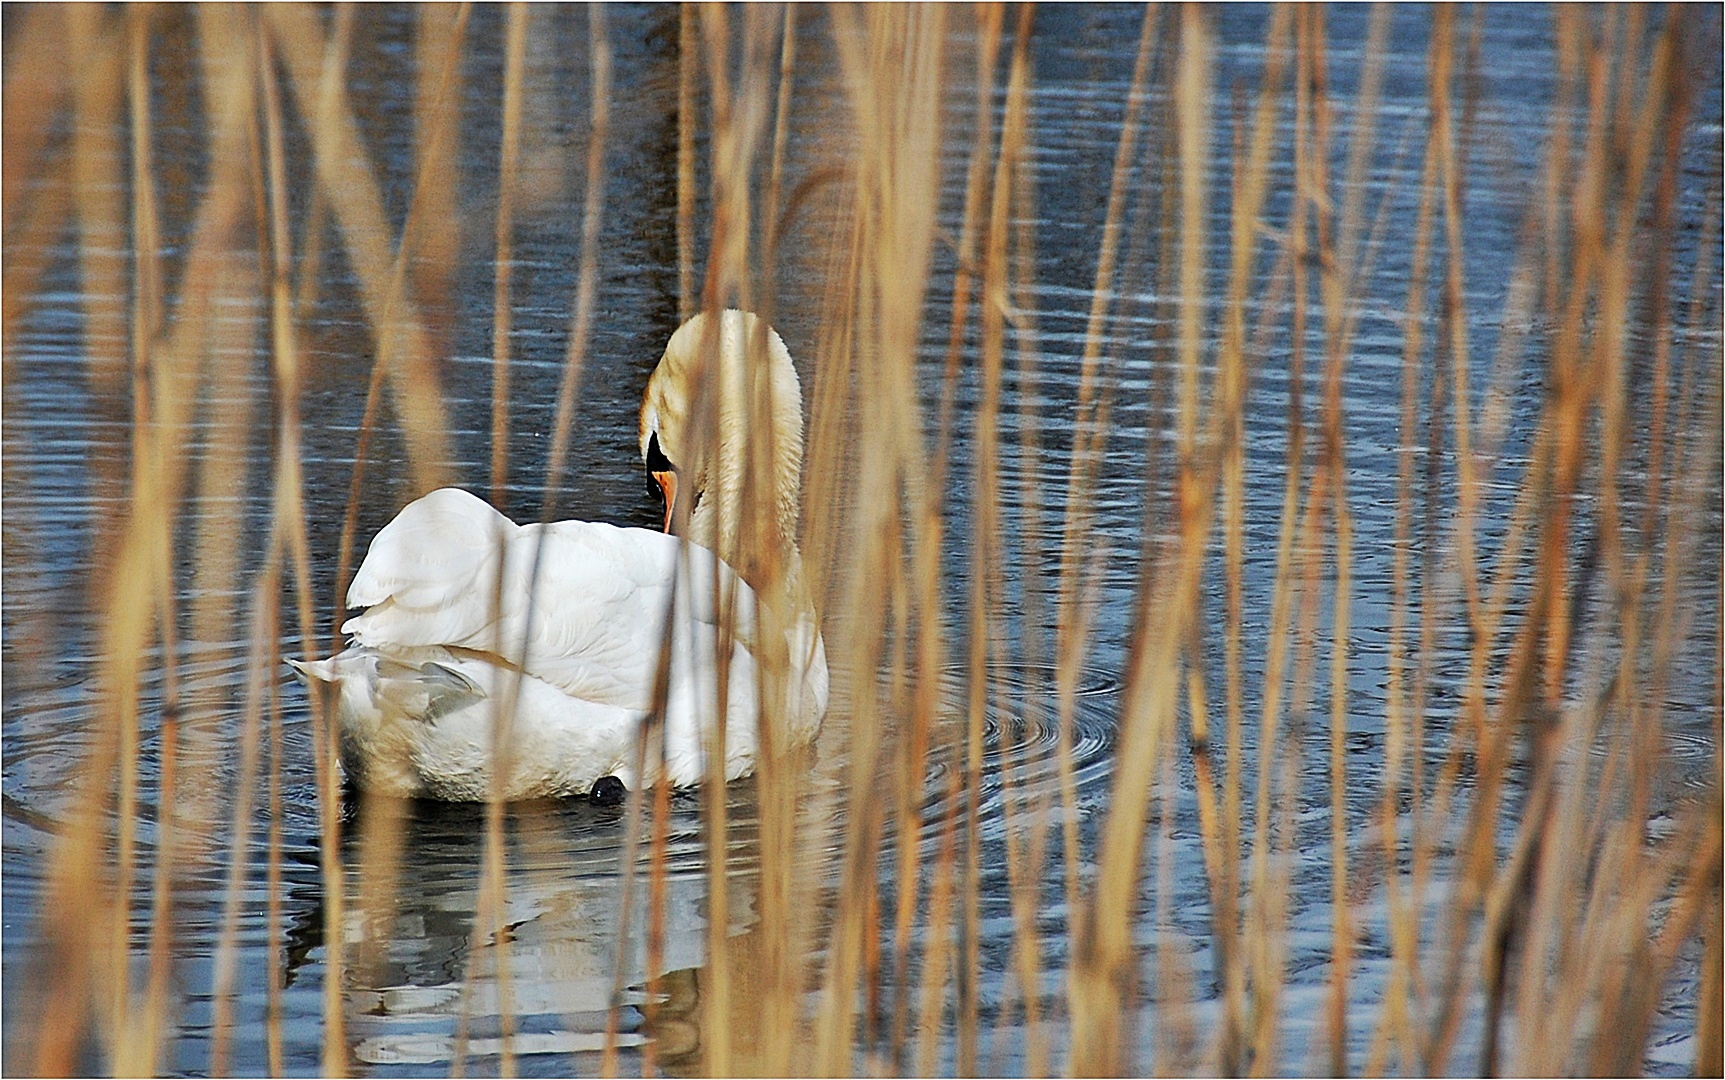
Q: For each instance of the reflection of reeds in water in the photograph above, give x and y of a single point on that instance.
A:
(1547, 902)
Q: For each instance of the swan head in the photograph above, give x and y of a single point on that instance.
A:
(721, 432)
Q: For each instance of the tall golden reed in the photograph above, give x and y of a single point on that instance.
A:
(1506, 864)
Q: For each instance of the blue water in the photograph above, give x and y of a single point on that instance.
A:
(67, 445)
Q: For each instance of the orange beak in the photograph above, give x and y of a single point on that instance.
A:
(667, 481)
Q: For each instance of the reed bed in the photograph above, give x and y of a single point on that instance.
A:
(1530, 874)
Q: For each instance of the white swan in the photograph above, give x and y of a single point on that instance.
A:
(457, 620)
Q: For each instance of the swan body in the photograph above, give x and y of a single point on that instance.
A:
(524, 658)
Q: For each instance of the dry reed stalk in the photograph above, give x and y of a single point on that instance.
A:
(733, 146)
(76, 895)
(1102, 984)
(311, 259)
(1659, 302)
(1080, 562)
(264, 622)
(1552, 925)
(72, 894)
(688, 59)
(140, 603)
(987, 550)
(98, 169)
(738, 122)
(1556, 193)
(1695, 329)
(34, 236)
(1405, 706)
(217, 280)
(1339, 263)
(1335, 268)
(1678, 92)
(336, 51)
(238, 40)
(289, 512)
(1156, 546)
(592, 210)
(649, 749)
(926, 564)
(830, 483)
(1432, 598)
(1636, 986)
(1089, 424)
(146, 315)
(1026, 861)
(35, 86)
(1543, 844)
(1299, 574)
(514, 59)
(488, 924)
(656, 891)
(224, 370)
(1449, 786)
(33, 215)
(985, 632)
(1708, 999)
(1445, 189)
(1220, 830)
(936, 956)
(488, 927)
(440, 31)
(1034, 652)
(765, 1032)
(1668, 86)
(1706, 457)
(889, 63)
(1264, 926)
(781, 136)
(985, 583)
(1400, 748)
(167, 851)
(989, 19)
(1520, 300)
(348, 181)
(490, 936)
(1178, 1049)
(1076, 605)
(1575, 827)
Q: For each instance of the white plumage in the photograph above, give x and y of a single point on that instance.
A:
(466, 609)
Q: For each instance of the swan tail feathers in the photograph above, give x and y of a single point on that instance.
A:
(422, 690)
(426, 691)
(310, 671)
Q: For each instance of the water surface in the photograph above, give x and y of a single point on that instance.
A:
(430, 986)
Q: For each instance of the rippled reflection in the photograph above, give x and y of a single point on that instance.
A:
(427, 983)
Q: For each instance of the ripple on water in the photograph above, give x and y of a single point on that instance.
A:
(1021, 755)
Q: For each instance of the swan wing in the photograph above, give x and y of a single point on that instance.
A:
(594, 615)
(430, 576)
(579, 605)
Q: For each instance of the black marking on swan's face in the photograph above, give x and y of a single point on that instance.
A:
(656, 459)
(657, 462)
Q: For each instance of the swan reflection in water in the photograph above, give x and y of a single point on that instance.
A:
(414, 872)
(422, 977)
